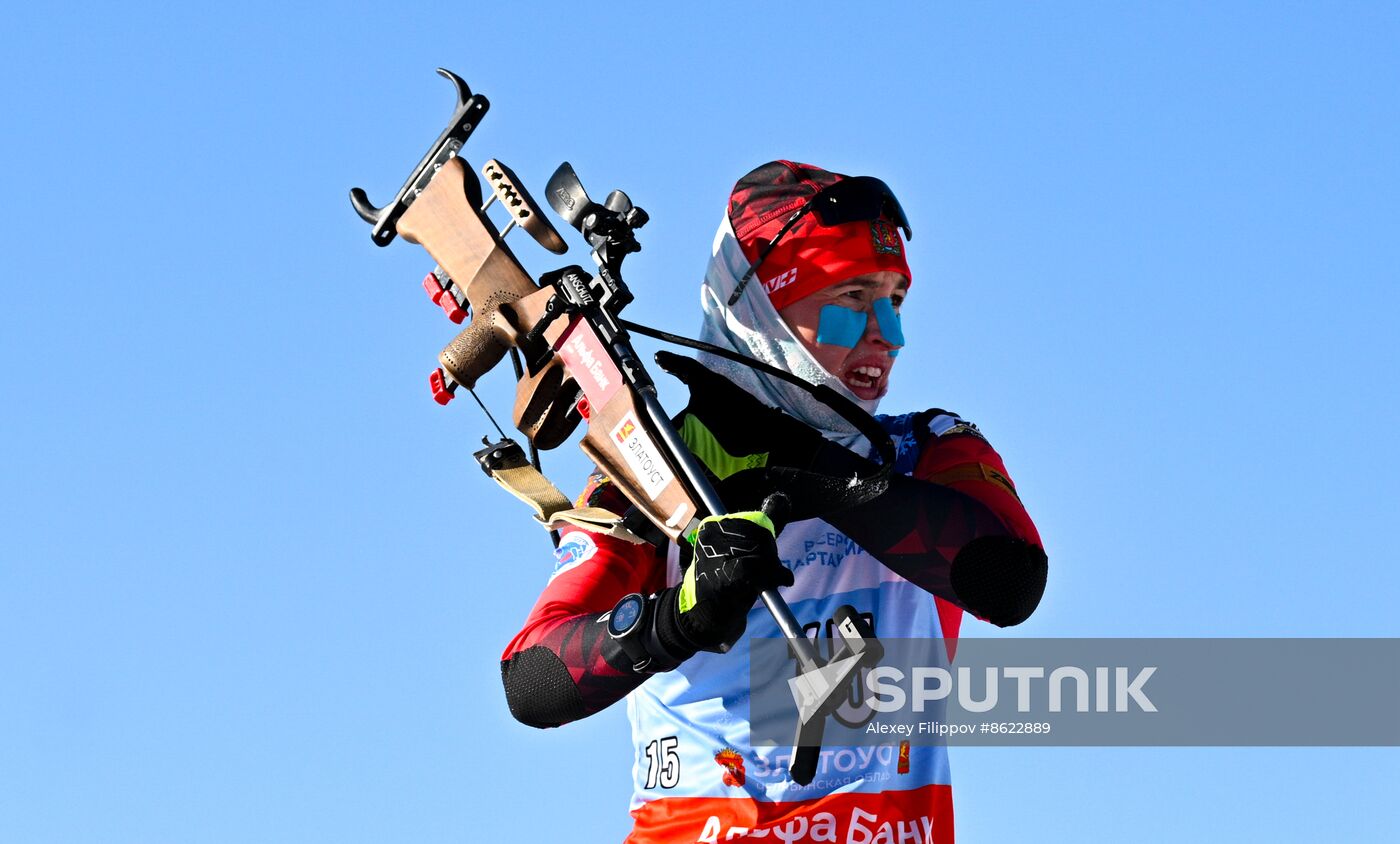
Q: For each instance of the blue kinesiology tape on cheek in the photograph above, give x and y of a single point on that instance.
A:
(888, 320)
(840, 326)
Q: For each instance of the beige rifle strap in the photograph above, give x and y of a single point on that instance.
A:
(552, 509)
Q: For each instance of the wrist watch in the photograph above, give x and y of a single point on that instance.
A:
(632, 624)
(627, 625)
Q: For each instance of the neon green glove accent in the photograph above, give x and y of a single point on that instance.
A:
(686, 599)
(703, 445)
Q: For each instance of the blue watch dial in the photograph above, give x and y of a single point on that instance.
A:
(625, 614)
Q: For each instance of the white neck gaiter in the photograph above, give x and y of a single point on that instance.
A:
(752, 327)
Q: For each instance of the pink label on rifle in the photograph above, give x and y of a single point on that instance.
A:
(589, 363)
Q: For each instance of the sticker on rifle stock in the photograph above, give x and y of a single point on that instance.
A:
(642, 456)
(589, 363)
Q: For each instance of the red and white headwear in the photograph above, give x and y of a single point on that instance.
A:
(811, 255)
(741, 317)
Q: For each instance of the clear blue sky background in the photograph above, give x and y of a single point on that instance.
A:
(252, 587)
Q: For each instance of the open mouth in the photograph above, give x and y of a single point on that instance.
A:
(864, 376)
(866, 381)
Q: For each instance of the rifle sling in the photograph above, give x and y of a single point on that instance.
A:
(552, 509)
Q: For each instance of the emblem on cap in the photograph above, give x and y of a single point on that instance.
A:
(886, 237)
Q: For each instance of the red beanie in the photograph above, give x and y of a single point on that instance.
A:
(810, 256)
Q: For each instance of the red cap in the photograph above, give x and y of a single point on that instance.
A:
(810, 256)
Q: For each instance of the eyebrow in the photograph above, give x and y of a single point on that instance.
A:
(868, 284)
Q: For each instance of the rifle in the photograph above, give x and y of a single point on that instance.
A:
(579, 366)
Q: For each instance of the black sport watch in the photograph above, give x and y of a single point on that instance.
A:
(632, 624)
(627, 626)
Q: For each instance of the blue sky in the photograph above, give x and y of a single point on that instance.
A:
(252, 587)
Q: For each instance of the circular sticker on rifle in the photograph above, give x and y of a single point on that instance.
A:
(642, 456)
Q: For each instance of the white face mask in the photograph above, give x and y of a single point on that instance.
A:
(752, 327)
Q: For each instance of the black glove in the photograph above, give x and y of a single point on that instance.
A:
(753, 450)
(735, 558)
(748, 432)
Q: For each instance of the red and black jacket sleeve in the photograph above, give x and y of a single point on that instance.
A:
(956, 527)
(562, 665)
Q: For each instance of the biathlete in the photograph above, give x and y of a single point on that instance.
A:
(817, 294)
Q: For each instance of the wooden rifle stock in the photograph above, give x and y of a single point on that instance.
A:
(505, 304)
(445, 221)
